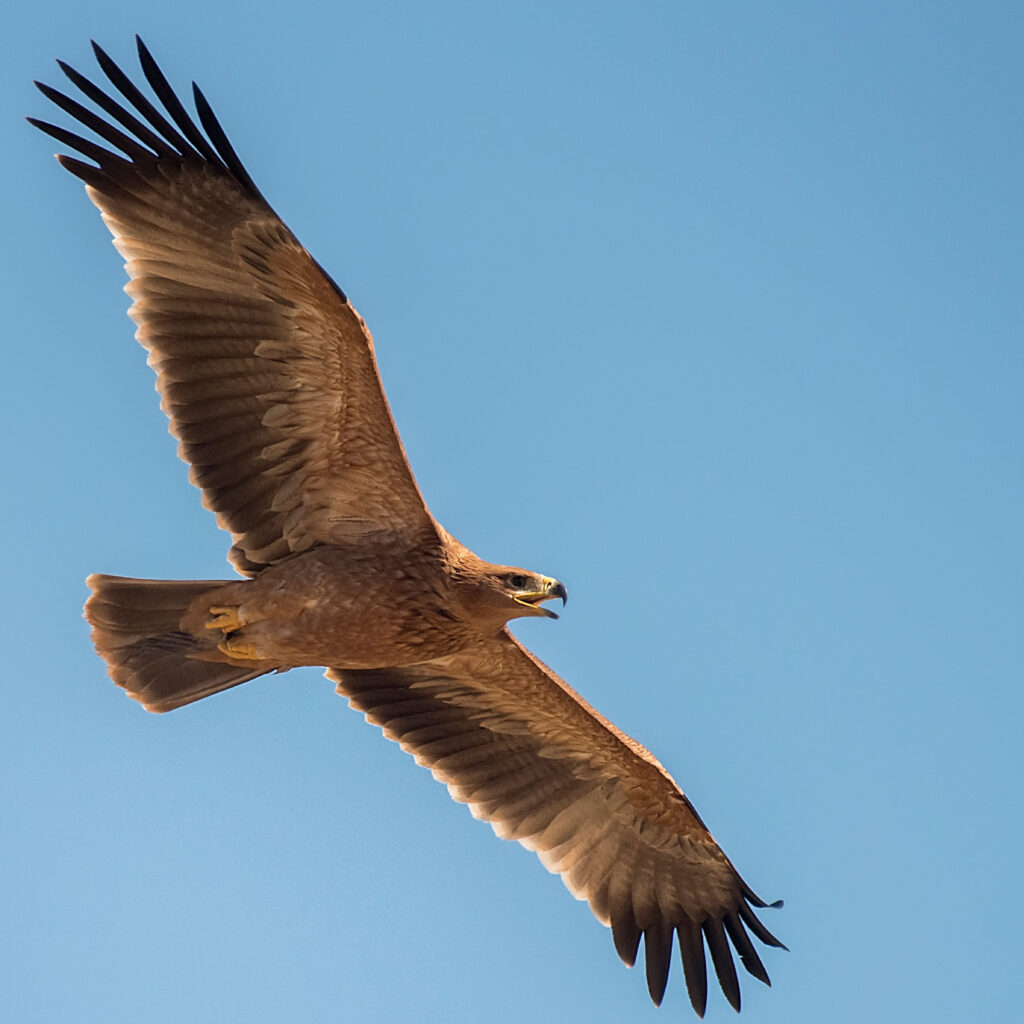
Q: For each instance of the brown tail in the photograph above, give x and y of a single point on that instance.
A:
(136, 630)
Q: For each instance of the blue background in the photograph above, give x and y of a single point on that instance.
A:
(714, 312)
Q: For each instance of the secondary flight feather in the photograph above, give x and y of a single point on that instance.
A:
(269, 378)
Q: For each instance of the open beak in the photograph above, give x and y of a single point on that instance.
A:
(550, 589)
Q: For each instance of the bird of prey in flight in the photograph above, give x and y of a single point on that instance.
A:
(269, 378)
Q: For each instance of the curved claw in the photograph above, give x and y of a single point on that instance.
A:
(226, 618)
(241, 650)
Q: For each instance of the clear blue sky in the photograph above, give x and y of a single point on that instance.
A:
(754, 273)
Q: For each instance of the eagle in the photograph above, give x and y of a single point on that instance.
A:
(269, 379)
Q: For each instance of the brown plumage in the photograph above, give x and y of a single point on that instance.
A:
(269, 378)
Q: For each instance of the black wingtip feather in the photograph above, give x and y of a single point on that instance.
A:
(657, 959)
(745, 948)
(157, 146)
(691, 952)
(90, 175)
(626, 936)
(721, 957)
(93, 122)
(220, 140)
(751, 897)
(127, 88)
(751, 921)
(83, 145)
(172, 104)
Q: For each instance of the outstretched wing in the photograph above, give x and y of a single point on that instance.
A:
(267, 372)
(530, 756)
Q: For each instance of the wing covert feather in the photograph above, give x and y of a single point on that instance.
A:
(527, 754)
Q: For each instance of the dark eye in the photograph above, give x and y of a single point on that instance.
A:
(516, 581)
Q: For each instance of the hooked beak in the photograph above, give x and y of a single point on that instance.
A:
(550, 589)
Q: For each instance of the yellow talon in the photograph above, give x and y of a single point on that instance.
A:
(240, 650)
(227, 618)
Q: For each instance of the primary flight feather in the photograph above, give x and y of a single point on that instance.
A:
(269, 378)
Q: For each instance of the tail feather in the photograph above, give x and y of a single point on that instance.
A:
(136, 629)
